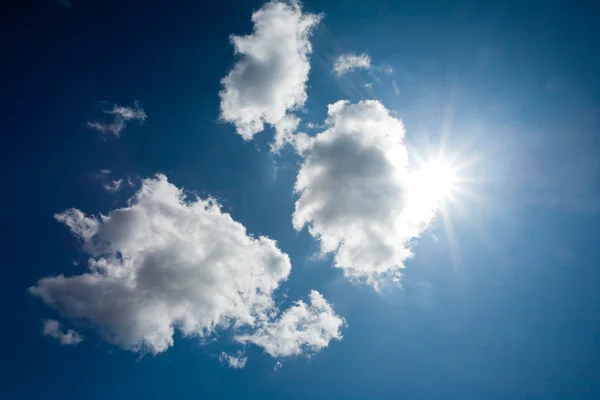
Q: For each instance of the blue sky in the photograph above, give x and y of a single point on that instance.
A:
(418, 223)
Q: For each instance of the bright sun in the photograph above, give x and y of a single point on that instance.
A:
(434, 182)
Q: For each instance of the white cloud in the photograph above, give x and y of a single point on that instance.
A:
(120, 116)
(310, 126)
(353, 185)
(278, 366)
(388, 70)
(164, 263)
(235, 362)
(53, 329)
(284, 132)
(269, 79)
(395, 87)
(167, 262)
(349, 62)
(302, 328)
(113, 186)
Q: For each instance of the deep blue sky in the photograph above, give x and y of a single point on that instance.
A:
(512, 314)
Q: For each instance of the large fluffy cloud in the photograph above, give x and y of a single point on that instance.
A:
(303, 328)
(269, 79)
(353, 188)
(163, 263)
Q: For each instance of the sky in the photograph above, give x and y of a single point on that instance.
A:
(284, 200)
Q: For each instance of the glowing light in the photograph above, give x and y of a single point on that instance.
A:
(433, 183)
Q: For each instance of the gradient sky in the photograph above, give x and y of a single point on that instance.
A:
(500, 299)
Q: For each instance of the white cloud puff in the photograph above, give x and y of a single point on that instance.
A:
(166, 262)
(349, 62)
(53, 329)
(301, 329)
(162, 263)
(120, 116)
(234, 362)
(269, 79)
(353, 192)
(113, 186)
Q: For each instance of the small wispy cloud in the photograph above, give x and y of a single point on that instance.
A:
(314, 125)
(120, 117)
(386, 69)
(349, 62)
(235, 362)
(53, 329)
(113, 186)
(278, 366)
(395, 87)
